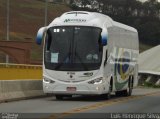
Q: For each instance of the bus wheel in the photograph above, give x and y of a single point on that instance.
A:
(128, 91)
(107, 95)
(109, 92)
(118, 93)
(59, 97)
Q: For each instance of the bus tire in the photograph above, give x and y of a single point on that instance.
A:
(59, 97)
(106, 96)
(118, 93)
(128, 91)
(109, 92)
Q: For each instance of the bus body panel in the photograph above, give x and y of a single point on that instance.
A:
(119, 58)
(123, 50)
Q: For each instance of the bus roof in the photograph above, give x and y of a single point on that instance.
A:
(87, 19)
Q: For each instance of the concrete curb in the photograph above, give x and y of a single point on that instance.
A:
(11, 90)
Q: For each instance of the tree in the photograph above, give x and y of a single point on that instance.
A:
(143, 16)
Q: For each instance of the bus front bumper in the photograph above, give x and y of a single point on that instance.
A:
(79, 89)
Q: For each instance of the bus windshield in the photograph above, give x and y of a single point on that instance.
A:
(73, 48)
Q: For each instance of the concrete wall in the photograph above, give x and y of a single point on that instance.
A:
(20, 71)
(20, 89)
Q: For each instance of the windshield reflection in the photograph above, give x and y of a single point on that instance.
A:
(73, 48)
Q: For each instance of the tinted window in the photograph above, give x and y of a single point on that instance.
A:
(73, 48)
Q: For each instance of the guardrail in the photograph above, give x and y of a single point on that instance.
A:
(20, 71)
(149, 77)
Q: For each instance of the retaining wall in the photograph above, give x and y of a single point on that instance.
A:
(20, 89)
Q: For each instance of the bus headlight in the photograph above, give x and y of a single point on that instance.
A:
(47, 80)
(96, 81)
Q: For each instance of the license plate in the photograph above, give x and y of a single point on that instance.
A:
(71, 88)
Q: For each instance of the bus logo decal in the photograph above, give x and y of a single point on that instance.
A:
(74, 20)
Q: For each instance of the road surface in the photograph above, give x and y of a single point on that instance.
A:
(143, 100)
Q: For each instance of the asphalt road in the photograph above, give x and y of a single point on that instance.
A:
(143, 100)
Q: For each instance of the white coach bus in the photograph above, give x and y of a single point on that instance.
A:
(87, 53)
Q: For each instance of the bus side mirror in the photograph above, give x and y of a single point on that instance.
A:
(40, 35)
(104, 35)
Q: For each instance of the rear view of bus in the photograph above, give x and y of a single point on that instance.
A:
(75, 55)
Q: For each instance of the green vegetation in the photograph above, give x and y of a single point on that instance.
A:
(30, 16)
(18, 36)
(143, 47)
(145, 17)
(149, 84)
(26, 17)
(32, 5)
